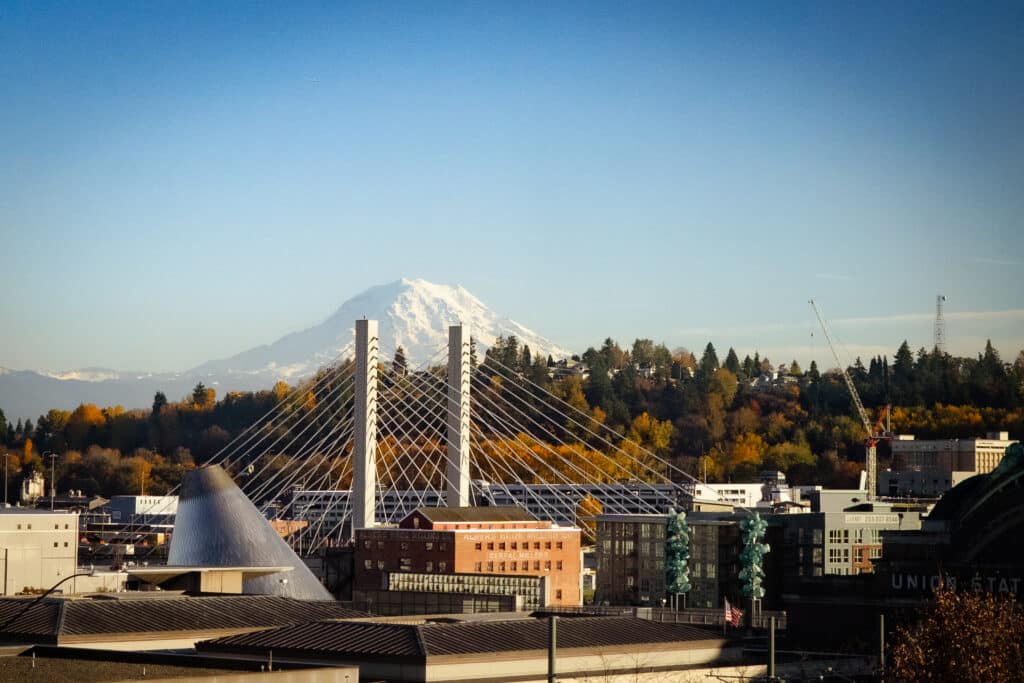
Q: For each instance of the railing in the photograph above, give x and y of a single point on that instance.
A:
(699, 616)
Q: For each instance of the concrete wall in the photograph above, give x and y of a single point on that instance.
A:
(37, 550)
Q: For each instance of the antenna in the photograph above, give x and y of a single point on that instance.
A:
(940, 325)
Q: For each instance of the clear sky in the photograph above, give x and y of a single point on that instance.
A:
(182, 181)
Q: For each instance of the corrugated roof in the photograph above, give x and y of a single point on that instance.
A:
(59, 617)
(500, 513)
(374, 639)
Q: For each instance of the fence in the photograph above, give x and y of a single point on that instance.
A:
(692, 616)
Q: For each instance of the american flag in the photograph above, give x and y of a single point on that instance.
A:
(733, 614)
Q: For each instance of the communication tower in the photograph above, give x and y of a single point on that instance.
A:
(940, 325)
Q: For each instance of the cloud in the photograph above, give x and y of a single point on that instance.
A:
(997, 261)
(1008, 314)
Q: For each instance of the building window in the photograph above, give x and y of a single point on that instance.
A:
(501, 546)
(380, 545)
(558, 545)
(490, 566)
(65, 544)
(547, 565)
(536, 545)
(442, 566)
(558, 594)
(405, 564)
(55, 544)
(536, 565)
(442, 546)
(478, 567)
(513, 545)
(429, 566)
(429, 545)
(629, 580)
(547, 545)
(515, 566)
(366, 544)
(380, 565)
(558, 565)
(490, 546)
(367, 564)
(501, 567)
(478, 546)
(526, 566)
(403, 545)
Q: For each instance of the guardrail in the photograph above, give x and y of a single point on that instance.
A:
(701, 616)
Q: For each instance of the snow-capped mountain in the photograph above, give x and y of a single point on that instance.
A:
(413, 314)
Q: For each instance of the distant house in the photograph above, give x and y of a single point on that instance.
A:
(568, 368)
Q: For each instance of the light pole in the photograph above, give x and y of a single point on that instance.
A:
(52, 588)
(53, 477)
(7, 456)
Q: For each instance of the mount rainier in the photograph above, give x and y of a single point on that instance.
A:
(413, 314)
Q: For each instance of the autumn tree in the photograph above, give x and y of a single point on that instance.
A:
(961, 636)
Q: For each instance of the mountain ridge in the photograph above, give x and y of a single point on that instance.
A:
(413, 313)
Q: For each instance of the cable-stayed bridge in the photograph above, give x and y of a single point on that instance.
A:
(369, 439)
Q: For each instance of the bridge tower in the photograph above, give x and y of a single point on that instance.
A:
(364, 438)
(457, 493)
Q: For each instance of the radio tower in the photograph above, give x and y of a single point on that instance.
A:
(940, 325)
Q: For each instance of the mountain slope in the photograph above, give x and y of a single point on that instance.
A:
(413, 314)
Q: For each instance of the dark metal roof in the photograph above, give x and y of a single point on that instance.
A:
(60, 617)
(499, 513)
(375, 638)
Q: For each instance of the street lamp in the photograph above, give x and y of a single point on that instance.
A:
(53, 476)
(91, 572)
(7, 456)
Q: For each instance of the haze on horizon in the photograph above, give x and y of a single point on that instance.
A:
(181, 183)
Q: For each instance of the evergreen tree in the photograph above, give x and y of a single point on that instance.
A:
(707, 367)
(159, 401)
(748, 366)
(732, 362)
(399, 365)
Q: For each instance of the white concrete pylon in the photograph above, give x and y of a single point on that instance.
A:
(457, 469)
(364, 438)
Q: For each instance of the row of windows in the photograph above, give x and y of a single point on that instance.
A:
(404, 545)
(517, 566)
(404, 564)
(515, 545)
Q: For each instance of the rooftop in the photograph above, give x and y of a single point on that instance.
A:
(491, 514)
(378, 638)
(58, 619)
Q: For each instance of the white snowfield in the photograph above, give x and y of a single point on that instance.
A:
(413, 314)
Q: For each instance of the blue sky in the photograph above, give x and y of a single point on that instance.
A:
(182, 181)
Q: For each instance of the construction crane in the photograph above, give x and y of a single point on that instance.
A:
(873, 435)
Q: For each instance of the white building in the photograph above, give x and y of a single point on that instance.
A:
(38, 549)
(930, 467)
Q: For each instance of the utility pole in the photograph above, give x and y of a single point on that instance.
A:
(53, 478)
(7, 456)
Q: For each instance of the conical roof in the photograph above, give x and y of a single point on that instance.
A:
(218, 526)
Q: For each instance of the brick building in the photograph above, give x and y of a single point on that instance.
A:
(493, 541)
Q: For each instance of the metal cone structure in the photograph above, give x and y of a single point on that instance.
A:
(218, 526)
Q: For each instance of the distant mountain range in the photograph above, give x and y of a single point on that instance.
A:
(413, 314)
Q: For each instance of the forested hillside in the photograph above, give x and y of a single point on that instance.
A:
(731, 418)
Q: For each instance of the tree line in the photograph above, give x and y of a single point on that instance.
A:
(726, 420)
